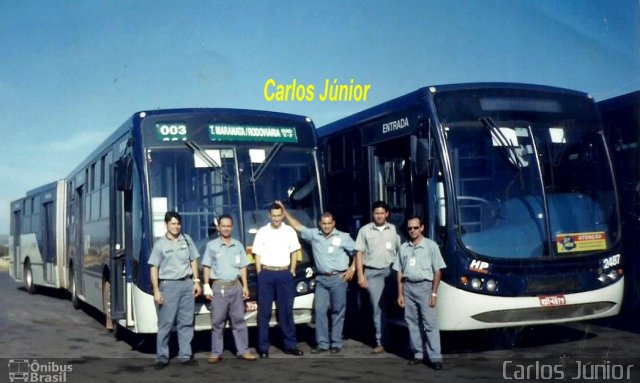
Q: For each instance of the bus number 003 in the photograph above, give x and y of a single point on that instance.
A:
(166, 130)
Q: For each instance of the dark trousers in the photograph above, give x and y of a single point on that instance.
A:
(278, 286)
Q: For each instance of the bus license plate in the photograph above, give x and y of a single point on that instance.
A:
(552, 300)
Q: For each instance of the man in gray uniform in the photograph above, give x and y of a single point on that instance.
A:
(224, 260)
(174, 277)
(331, 253)
(377, 244)
(418, 265)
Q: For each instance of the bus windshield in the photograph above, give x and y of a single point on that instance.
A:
(206, 182)
(531, 174)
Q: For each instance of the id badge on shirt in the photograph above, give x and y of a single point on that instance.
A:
(412, 262)
(330, 250)
(237, 259)
(389, 245)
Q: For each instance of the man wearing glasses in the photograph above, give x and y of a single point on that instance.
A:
(418, 265)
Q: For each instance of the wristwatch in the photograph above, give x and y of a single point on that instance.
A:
(196, 280)
(434, 295)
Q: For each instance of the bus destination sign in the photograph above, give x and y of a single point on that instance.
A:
(171, 132)
(228, 132)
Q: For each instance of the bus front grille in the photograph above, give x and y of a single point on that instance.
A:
(544, 313)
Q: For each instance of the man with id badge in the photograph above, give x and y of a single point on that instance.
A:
(419, 266)
(377, 245)
(331, 249)
(225, 260)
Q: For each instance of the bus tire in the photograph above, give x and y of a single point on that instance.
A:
(28, 278)
(106, 305)
(75, 301)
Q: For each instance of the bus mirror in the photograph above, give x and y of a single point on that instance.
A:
(421, 155)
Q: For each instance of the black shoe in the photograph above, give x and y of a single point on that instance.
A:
(263, 355)
(414, 361)
(335, 350)
(294, 351)
(437, 366)
(318, 350)
(190, 362)
(160, 365)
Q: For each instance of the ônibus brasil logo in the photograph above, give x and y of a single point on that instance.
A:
(25, 370)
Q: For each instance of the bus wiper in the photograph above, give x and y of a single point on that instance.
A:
(270, 156)
(504, 144)
(202, 154)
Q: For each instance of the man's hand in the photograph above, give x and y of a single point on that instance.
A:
(208, 293)
(401, 301)
(157, 296)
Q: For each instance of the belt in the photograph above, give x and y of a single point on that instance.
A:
(275, 268)
(223, 283)
(335, 272)
(375, 268)
(178, 279)
(415, 281)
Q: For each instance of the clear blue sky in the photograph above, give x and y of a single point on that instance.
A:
(72, 71)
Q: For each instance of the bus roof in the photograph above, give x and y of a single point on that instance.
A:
(138, 116)
(419, 96)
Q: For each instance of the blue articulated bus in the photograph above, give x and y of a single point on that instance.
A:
(621, 119)
(36, 238)
(202, 163)
(515, 183)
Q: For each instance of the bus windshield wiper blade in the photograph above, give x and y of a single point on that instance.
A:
(270, 156)
(202, 154)
(504, 143)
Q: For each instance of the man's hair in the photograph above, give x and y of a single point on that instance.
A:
(275, 206)
(415, 216)
(172, 214)
(225, 216)
(327, 214)
(381, 204)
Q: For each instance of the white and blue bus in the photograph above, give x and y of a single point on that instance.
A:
(202, 163)
(515, 183)
(621, 120)
(36, 238)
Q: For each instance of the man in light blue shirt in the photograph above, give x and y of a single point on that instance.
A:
(225, 260)
(331, 250)
(377, 245)
(419, 266)
(174, 278)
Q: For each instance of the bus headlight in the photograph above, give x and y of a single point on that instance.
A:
(492, 285)
(476, 283)
(301, 287)
(612, 274)
(602, 278)
(312, 284)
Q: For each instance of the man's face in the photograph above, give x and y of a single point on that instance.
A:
(327, 224)
(173, 227)
(414, 228)
(380, 216)
(225, 226)
(276, 217)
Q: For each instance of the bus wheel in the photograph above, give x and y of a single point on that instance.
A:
(106, 304)
(75, 301)
(28, 278)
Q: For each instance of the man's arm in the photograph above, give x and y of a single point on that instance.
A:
(243, 280)
(400, 289)
(294, 223)
(434, 288)
(294, 262)
(157, 295)
(362, 280)
(197, 287)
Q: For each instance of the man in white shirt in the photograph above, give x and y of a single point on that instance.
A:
(274, 248)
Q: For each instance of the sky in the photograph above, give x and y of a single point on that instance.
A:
(71, 72)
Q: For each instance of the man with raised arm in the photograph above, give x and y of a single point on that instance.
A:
(332, 250)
